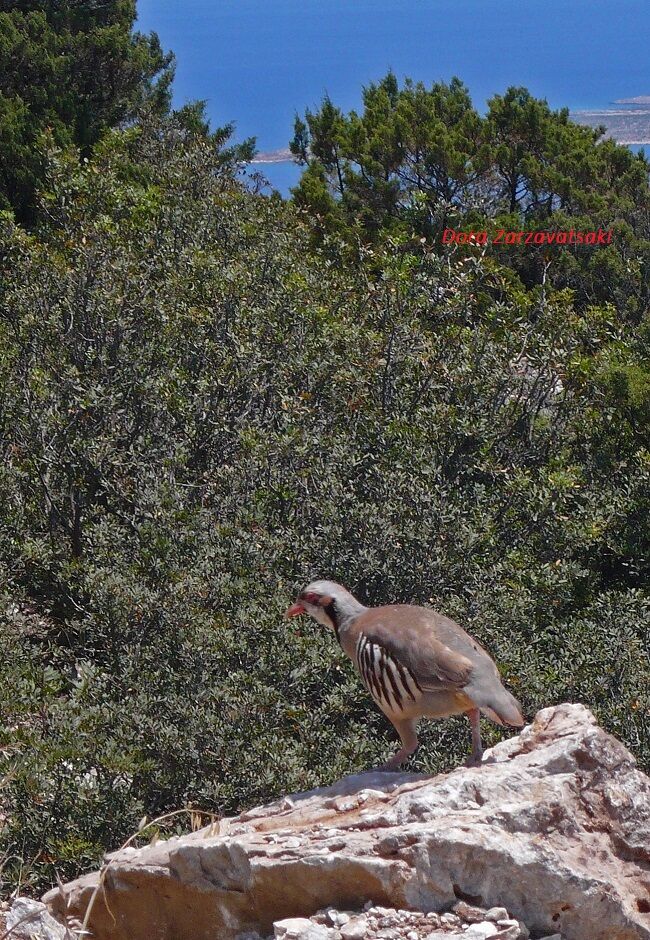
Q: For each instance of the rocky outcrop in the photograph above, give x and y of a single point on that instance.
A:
(30, 920)
(466, 922)
(553, 828)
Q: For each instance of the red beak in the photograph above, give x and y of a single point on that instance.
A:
(295, 610)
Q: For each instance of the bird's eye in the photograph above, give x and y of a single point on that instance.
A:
(311, 597)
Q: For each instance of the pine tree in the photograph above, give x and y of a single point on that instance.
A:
(69, 70)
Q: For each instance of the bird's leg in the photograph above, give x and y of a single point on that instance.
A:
(477, 747)
(409, 739)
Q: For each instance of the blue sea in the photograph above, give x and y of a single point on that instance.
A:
(259, 62)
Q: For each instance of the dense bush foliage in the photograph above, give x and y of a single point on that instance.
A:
(201, 410)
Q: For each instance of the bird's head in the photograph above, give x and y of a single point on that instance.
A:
(327, 602)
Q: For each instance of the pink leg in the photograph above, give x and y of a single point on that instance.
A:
(409, 738)
(477, 747)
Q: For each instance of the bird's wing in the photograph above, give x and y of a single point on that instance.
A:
(408, 634)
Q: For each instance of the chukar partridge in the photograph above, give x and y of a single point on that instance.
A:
(415, 663)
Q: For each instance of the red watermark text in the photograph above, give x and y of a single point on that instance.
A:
(502, 236)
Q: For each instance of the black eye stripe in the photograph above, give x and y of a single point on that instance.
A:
(331, 612)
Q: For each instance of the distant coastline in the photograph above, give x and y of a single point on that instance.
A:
(640, 99)
(629, 126)
(283, 155)
(628, 122)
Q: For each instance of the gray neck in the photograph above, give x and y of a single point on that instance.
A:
(343, 612)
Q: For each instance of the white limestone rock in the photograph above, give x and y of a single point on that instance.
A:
(519, 833)
(30, 920)
(481, 931)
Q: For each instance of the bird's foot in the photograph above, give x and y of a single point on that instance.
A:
(388, 767)
(474, 760)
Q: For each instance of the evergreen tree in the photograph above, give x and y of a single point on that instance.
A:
(417, 160)
(69, 70)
